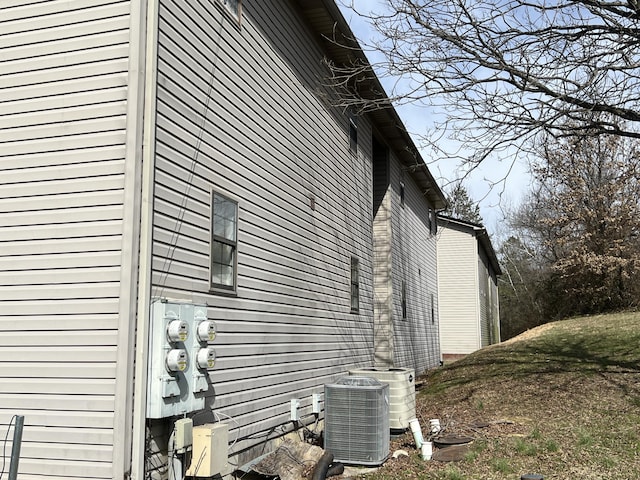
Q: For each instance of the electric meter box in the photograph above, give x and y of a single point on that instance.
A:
(179, 358)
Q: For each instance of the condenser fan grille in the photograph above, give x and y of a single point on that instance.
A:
(357, 420)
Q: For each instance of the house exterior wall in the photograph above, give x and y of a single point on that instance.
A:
(484, 289)
(490, 319)
(414, 262)
(66, 171)
(238, 112)
(236, 109)
(494, 316)
(458, 278)
(382, 263)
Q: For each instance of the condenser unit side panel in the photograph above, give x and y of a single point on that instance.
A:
(402, 394)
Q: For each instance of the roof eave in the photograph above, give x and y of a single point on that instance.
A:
(335, 35)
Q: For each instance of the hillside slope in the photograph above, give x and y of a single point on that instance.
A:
(562, 401)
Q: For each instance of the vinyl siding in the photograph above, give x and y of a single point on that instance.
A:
(382, 267)
(489, 297)
(459, 291)
(495, 307)
(484, 299)
(413, 260)
(238, 112)
(63, 98)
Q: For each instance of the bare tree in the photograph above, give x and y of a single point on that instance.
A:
(505, 70)
(521, 288)
(582, 218)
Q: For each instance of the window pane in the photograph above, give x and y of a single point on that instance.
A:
(355, 285)
(222, 264)
(404, 300)
(353, 134)
(232, 5)
(354, 298)
(224, 218)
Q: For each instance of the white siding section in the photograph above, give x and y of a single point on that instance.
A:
(414, 261)
(239, 112)
(382, 283)
(459, 291)
(62, 128)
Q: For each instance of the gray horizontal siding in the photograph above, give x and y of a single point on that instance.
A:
(270, 142)
(63, 94)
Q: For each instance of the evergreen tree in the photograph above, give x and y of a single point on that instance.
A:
(461, 206)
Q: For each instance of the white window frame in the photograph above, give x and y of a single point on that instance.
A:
(224, 241)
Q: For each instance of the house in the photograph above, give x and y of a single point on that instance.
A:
(468, 272)
(171, 164)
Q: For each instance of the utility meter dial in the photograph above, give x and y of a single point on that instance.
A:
(177, 360)
(206, 358)
(207, 331)
(177, 331)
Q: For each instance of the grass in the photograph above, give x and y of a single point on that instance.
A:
(562, 400)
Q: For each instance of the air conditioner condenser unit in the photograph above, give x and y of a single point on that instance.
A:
(357, 420)
(402, 393)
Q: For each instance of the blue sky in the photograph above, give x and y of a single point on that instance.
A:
(485, 184)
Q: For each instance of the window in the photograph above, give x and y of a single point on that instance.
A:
(404, 300)
(355, 285)
(402, 194)
(433, 309)
(224, 244)
(353, 134)
(233, 6)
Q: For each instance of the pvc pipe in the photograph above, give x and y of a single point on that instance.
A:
(417, 432)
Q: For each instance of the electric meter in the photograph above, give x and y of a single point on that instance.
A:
(206, 358)
(206, 331)
(177, 331)
(177, 360)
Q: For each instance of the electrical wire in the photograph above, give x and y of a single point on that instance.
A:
(198, 463)
(215, 414)
(4, 447)
(173, 242)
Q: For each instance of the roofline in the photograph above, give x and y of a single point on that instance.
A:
(326, 19)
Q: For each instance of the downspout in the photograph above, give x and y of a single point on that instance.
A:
(150, 44)
(124, 394)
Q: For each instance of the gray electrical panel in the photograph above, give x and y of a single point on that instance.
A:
(179, 358)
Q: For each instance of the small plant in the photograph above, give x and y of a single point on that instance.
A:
(525, 448)
(584, 438)
(552, 446)
(535, 434)
(452, 474)
(502, 465)
(608, 462)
